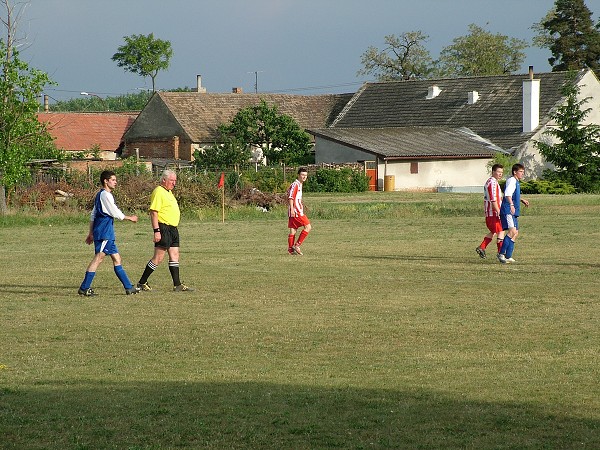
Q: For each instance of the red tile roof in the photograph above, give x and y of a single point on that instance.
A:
(75, 131)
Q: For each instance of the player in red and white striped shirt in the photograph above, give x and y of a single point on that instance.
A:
(492, 199)
(296, 217)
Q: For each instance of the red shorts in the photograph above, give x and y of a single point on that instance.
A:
(298, 222)
(493, 224)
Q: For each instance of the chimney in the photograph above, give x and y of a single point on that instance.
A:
(473, 96)
(199, 88)
(433, 92)
(236, 90)
(531, 103)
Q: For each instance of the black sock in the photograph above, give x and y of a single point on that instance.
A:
(174, 269)
(150, 267)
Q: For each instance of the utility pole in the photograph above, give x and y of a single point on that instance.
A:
(256, 72)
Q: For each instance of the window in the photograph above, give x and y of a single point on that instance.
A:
(414, 167)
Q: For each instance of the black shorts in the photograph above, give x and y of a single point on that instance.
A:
(169, 236)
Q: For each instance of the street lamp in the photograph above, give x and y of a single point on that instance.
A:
(96, 95)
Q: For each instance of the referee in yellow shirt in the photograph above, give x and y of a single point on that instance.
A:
(164, 216)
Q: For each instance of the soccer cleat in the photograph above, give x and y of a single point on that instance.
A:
(132, 290)
(481, 252)
(291, 251)
(297, 250)
(501, 258)
(183, 288)
(89, 292)
(510, 260)
(144, 287)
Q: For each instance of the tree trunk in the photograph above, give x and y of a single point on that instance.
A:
(3, 207)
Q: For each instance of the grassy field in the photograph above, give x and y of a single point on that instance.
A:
(390, 332)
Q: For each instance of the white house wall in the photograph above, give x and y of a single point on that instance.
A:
(530, 156)
(465, 175)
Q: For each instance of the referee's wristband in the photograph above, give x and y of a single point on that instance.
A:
(157, 230)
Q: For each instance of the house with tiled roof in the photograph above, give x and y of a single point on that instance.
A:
(441, 134)
(173, 125)
(84, 132)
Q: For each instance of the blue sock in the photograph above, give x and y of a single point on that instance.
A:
(87, 280)
(510, 248)
(505, 245)
(123, 277)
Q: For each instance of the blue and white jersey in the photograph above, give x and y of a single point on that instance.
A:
(103, 216)
(512, 190)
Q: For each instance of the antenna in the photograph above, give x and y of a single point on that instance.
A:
(256, 72)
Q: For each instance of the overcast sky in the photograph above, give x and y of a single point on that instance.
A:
(291, 46)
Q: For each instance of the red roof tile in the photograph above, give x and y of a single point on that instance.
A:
(76, 131)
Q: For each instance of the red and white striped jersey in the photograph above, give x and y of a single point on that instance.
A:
(491, 194)
(295, 192)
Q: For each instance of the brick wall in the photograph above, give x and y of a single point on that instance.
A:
(85, 166)
(171, 148)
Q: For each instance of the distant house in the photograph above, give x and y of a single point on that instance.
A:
(441, 134)
(84, 132)
(173, 125)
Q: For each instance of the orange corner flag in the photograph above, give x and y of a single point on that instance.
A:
(221, 180)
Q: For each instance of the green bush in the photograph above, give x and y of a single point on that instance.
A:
(271, 179)
(268, 179)
(337, 180)
(547, 187)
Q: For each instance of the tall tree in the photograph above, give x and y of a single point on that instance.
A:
(542, 38)
(22, 136)
(481, 53)
(144, 56)
(403, 58)
(278, 135)
(576, 154)
(575, 42)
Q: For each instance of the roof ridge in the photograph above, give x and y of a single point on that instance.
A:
(348, 105)
(580, 73)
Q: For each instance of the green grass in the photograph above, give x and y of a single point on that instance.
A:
(390, 332)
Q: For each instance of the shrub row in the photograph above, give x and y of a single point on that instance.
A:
(195, 190)
(547, 187)
(544, 187)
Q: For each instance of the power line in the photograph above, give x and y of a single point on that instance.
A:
(278, 91)
(310, 88)
(79, 92)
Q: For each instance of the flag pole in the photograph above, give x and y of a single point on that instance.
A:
(222, 187)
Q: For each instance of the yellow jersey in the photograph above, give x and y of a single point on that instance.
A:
(165, 203)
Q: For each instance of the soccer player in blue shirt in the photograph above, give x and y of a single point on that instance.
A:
(102, 234)
(510, 210)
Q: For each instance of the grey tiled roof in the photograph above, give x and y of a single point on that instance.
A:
(408, 142)
(496, 116)
(198, 115)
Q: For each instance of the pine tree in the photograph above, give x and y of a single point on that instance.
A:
(575, 41)
(576, 154)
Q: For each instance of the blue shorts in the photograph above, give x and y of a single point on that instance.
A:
(107, 247)
(509, 221)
